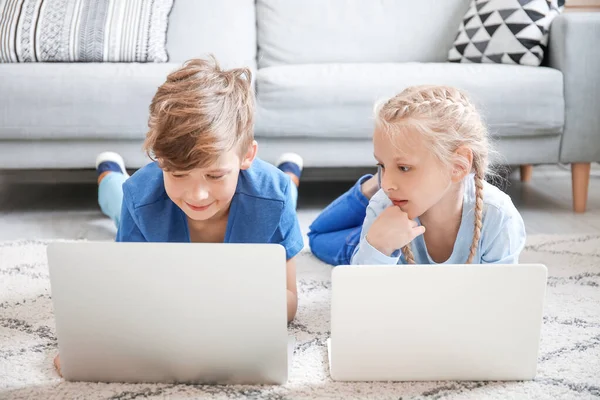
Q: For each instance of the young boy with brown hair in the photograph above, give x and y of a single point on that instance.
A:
(206, 184)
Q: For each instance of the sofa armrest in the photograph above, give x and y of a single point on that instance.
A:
(574, 49)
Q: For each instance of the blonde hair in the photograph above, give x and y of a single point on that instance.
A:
(200, 112)
(448, 120)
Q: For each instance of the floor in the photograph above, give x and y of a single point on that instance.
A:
(70, 211)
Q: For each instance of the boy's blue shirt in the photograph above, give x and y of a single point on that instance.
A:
(261, 211)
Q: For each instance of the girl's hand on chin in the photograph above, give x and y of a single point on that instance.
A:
(393, 230)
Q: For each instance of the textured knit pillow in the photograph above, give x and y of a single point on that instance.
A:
(505, 31)
(84, 30)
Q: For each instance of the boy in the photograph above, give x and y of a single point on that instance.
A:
(206, 184)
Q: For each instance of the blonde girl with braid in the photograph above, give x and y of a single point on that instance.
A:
(429, 203)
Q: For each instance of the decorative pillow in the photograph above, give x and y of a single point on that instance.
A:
(84, 30)
(505, 31)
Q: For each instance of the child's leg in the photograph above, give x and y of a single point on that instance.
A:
(337, 247)
(291, 164)
(294, 190)
(335, 233)
(111, 176)
(110, 195)
(347, 211)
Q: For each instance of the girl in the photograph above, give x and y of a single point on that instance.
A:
(429, 201)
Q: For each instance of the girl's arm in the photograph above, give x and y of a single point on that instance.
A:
(365, 254)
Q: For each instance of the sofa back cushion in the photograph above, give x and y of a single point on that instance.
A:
(225, 28)
(338, 31)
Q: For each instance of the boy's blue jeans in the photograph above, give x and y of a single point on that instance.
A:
(110, 195)
(335, 233)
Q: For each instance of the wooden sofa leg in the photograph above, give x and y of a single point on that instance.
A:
(526, 172)
(580, 177)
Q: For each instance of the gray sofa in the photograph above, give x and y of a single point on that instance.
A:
(320, 66)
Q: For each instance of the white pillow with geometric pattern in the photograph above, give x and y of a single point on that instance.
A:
(505, 31)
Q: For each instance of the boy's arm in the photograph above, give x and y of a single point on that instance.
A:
(128, 228)
(288, 235)
(292, 289)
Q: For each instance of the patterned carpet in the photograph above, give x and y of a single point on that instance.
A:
(568, 368)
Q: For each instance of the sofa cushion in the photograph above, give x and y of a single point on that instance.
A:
(63, 101)
(505, 31)
(333, 31)
(225, 28)
(336, 100)
(84, 31)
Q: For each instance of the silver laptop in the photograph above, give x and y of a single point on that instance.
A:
(170, 312)
(448, 322)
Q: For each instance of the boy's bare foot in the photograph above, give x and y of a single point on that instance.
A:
(291, 164)
(57, 364)
(370, 187)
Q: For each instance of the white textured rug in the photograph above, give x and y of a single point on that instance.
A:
(569, 362)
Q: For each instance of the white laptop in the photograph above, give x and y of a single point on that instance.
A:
(447, 322)
(170, 312)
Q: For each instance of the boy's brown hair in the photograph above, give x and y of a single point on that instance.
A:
(200, 112)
